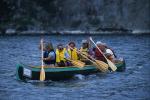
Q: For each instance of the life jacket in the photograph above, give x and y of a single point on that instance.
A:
(99, 55)
(46, 54)
(73, 54)
(60, 55)
(84, 51)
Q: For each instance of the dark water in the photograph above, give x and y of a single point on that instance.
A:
(134, 84)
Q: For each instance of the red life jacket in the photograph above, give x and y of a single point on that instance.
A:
(99, 55)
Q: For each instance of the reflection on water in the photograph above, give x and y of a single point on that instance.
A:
(132, 84)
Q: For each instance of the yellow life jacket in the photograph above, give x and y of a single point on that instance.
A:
(60, 55)
(73, 54)
(85, 51)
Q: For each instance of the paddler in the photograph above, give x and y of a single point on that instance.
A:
(86, 50)
(85, 47)
(110, 54)
(72, 51)
(106, 50)
(49, 55)
(61, 54)
(98, 55)
(109, 50)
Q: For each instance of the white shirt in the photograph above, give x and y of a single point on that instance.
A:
(52, 55)
(110, 52)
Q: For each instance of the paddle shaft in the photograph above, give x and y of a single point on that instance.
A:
(42, 52)
(42, 73)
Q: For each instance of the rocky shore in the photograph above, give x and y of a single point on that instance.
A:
(74, 32)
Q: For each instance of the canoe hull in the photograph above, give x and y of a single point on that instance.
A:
(50, 75)
(25, 72)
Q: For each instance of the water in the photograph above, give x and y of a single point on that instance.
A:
(133, 84)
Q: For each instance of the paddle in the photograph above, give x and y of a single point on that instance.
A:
(77, 63)
(111, 65)
(99, 64)
(102, 66)
(42, 72)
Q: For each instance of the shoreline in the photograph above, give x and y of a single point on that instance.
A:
(77, 32)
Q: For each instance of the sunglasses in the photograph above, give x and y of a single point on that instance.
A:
(60, 48)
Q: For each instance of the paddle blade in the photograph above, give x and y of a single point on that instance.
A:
(78, 63)
(111, 65)
(42, 74)
(101, 65)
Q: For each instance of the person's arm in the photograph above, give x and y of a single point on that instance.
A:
(46, 59)
(50, 56)
(67, 55)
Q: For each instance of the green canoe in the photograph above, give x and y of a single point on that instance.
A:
(25, 72)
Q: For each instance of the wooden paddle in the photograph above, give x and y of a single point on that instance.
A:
(77, 63)
(102, 66)
(42, 73)
(111, 65)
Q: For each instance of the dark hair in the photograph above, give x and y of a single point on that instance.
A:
(87, 45)
(59, 45)
(72, 43)
(49, 46)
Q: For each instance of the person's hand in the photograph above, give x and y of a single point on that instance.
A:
(43, 59)
(67, 47)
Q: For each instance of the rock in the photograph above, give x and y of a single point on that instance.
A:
(10, 32)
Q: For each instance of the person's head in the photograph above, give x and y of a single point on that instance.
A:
(99, 43)
(72, 44)
(105, 45)
(60, 47)
(49, 47)
(85, 44)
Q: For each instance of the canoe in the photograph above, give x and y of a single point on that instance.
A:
(27, 72)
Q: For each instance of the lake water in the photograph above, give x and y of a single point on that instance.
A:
(133, 84)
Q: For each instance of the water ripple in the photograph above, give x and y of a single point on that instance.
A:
(133, 84)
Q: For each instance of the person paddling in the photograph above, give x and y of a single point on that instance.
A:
(110, 54)
(61, 54)
(72, 51)
(109, 50)
(106, 50)
(98, 55)
(85, 49)
(49, 55)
